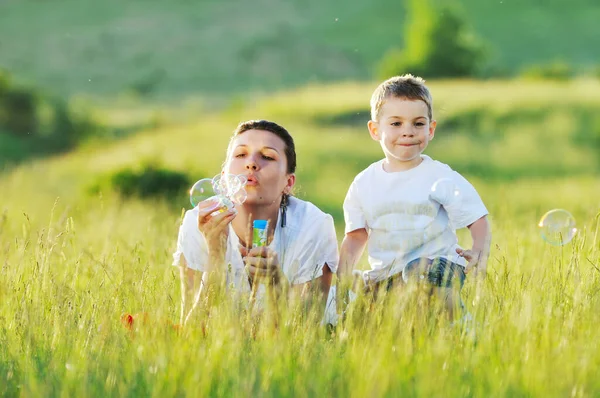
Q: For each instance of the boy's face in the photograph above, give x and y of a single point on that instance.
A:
(404, 131)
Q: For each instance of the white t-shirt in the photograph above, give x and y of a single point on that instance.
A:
(405, 219)
(304, 245)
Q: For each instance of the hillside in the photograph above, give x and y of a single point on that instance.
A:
(495, 132)
(183, 48)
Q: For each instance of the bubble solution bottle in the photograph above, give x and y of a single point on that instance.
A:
(259, 233)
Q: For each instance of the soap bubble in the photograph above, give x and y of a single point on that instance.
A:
(227, 189)
(232, 183)
(201, 191)
(218, 185)
(228, 184)
(444, 191)
(235, 188)
(240, 196)
(557, 227)
(243, 179)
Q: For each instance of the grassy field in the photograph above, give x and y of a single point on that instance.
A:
(150, 47)
(72, 262)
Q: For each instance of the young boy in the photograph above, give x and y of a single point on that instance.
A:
(408, 206)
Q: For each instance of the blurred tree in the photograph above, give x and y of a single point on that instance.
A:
(438, 43)
(36, 123)
(18, 111)
(4, 81)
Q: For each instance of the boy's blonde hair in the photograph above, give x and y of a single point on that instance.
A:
(406, 86)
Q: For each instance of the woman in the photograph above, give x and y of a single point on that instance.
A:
(301, 251)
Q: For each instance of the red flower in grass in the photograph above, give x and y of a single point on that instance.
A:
(131, 322)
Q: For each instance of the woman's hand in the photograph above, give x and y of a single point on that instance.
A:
(213, 221)
(262, 264)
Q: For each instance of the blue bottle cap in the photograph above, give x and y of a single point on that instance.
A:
(259, 224)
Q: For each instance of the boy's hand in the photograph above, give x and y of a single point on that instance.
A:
(473, 261)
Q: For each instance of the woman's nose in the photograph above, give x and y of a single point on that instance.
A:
(251, 165)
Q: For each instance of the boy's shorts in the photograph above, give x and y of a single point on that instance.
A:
(439, 272)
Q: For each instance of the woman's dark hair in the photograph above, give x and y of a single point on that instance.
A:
(279, 131)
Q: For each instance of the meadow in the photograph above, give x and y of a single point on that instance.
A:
(73, 260)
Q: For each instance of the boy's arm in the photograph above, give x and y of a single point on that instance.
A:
(351, 250)
(477, 257)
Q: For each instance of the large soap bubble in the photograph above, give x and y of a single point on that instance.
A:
(557, 227)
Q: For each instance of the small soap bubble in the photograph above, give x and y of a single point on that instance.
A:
(232, 184)
(240, 196)
(243, 179)
(445, 191)
(202, 190)
(218, 184)
(557, 227)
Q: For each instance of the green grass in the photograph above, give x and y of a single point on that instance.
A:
(72, 262)
(184, 47)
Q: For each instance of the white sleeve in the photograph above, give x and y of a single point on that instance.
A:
(354, 217)
(468, 207)
(191, 243)
(319, 247)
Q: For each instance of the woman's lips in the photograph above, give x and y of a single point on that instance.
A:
(252, 180)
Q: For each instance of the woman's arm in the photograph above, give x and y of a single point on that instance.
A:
(213, 225)
(314, 293)
(188, 278)
(263, 267)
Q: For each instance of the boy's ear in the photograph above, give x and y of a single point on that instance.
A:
(374, 130)
(432, 126)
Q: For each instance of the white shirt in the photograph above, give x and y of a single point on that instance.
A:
(405, 219)
(304, 245)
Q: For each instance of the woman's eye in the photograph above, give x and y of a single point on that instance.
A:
(240, 155)
(267, 157)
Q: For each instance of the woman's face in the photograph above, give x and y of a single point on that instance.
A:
(260, 156)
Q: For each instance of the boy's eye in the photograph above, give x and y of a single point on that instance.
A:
(419, 124)
(396, 124)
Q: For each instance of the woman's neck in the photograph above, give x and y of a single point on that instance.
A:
(242, 223)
